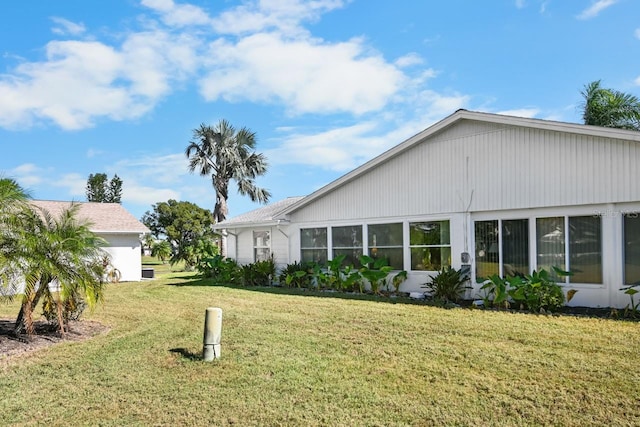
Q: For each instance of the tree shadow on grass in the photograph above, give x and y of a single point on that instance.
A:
(186, 354)
(197, 280)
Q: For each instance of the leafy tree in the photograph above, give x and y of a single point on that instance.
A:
(101, 189)
(226, 154)
(609, 107)
(183, 225)
(161, 250)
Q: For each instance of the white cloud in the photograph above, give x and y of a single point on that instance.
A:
(409, 60)
(74, 183)
(543, 6)
(143, 195)
(637, 81)
(181, 15)
(521, 112)
(165, 169)
(26, 174)
(64, 27)
(306, 74)
(283, 15)
(595, 8)
(637, 33)
(520, 4)
(80, 81)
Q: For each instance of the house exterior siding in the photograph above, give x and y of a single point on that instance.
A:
(480, 168)
(474, 168)
(125, 253)
(240, 246)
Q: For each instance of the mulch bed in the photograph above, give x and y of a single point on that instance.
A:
(12, 347)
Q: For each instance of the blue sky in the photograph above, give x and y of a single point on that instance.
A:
(118, 86)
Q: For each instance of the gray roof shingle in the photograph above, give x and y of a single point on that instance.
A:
(261, 215)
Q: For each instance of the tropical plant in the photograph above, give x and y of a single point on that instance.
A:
(632, 309)
(375, 272)
(495, 292)
(297, 275)
(399, 279)
(259, 273)
(536, 292)
(60, 263)
(226, 154)
(224, 271)
(609, 107)
(448, 285)
(14, 210)
(161, 250)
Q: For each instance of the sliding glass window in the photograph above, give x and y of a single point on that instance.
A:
(347, 241)
(430, 245)
(632, 249)
(385, 241)
(313, 245)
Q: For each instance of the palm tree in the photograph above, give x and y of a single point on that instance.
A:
(161, 250)
(610, 108)
(13, 211)
(226, 154)
(61, 263)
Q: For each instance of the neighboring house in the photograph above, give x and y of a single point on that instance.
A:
(116, 225)
(499, 194)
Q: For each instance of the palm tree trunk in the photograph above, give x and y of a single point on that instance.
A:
(24, 321)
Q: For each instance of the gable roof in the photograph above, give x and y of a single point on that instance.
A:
(264, 216)
(451, 120)
(103, 217)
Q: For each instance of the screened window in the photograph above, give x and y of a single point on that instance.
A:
(385, 241)
(631, 249)
(487, 249)
(347, 241)
(430, 245)
(261, 245)
(502, 248)
(313, 245)
(583, 253)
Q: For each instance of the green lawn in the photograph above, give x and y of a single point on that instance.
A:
(292, 358)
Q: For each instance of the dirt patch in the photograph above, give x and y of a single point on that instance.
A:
(12, 347)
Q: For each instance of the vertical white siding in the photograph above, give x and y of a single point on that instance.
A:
(279, 245)
(497, 166)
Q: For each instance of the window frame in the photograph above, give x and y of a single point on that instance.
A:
(401, 247)
(324, 248)
(257, 247)
(355, 249)
(441, 246)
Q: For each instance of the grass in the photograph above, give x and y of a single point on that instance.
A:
(291, 357)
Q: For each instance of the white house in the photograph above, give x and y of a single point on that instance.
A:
(500, 194)
(116, 225)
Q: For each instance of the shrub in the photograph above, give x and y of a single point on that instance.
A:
(221, 270)
(259, 273)
(448, 285)
(297, 275)
(536, 292)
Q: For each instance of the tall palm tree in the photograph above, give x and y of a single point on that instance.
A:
(226, 154)
(610, 108)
